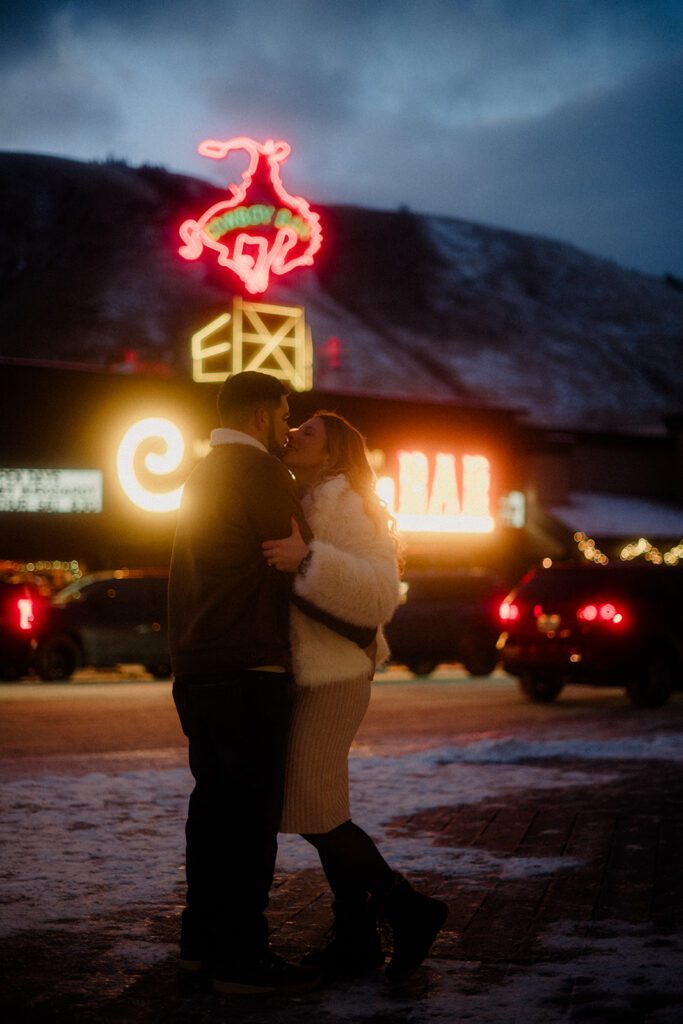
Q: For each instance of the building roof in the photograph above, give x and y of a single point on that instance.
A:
(617, 516)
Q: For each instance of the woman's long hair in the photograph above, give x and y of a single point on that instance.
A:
(348, 454)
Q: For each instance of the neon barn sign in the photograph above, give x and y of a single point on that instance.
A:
(261, 229)
(255, 336)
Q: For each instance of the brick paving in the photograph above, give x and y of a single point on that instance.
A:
(618, 906)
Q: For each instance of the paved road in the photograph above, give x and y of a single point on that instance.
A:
(562, 869)
(99, 713)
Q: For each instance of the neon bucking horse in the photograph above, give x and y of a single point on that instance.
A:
(261, 229)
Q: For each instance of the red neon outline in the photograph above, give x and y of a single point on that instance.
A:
(269, 256)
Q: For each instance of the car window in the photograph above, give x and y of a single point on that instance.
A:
(133, 593)
(662, 583)
(652, 582)
(129, 595)
(82, 590)
(567, 584)
(141, 596)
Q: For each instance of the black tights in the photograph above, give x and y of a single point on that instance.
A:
(351, 861)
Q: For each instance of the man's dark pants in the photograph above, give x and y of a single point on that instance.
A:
(237, 725)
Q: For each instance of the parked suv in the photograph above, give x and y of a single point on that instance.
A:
(105, 619)
(616, 625)
(19, 603)
(447, 616)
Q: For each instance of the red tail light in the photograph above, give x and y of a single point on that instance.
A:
(508, 611)
(25, 610)
(605, 612)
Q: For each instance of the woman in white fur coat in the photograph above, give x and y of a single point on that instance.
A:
(346, 586)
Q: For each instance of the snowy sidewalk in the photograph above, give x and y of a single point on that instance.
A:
(561, 861)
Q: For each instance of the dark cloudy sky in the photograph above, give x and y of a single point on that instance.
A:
(557, 117)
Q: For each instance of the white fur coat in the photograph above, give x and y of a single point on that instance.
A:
(352, 574)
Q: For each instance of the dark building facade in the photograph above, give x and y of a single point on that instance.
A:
(60, 419)
(472, 485)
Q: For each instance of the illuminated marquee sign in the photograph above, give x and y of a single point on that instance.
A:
(255, 336)
(51, 490)
(261, 229)
(452, 498)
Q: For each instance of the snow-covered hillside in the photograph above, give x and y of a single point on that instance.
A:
(426, 307)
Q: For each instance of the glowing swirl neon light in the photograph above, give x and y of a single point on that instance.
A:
(166, 435)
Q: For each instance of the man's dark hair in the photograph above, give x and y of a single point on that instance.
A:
(240, 395)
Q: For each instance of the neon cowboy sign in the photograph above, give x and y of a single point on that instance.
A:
(261, 229)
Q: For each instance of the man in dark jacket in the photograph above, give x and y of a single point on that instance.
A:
(229, 640)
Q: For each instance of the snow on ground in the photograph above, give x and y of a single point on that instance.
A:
(594, 977)
(81, 845)
(74, 844)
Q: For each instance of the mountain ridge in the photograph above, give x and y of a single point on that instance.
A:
(425, 306)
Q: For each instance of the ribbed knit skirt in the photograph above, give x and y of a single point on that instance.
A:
(324, 721)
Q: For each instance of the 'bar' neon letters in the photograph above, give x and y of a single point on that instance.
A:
(442, 507)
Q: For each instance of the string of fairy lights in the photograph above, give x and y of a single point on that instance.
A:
(47, 573)
(642, 548)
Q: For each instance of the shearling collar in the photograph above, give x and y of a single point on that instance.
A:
(225, 435)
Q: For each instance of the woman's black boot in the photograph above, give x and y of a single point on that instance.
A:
(355, 946)
(415, 921)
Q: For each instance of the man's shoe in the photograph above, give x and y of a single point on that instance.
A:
(268, 974)
(193, 971)
(194, 958)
